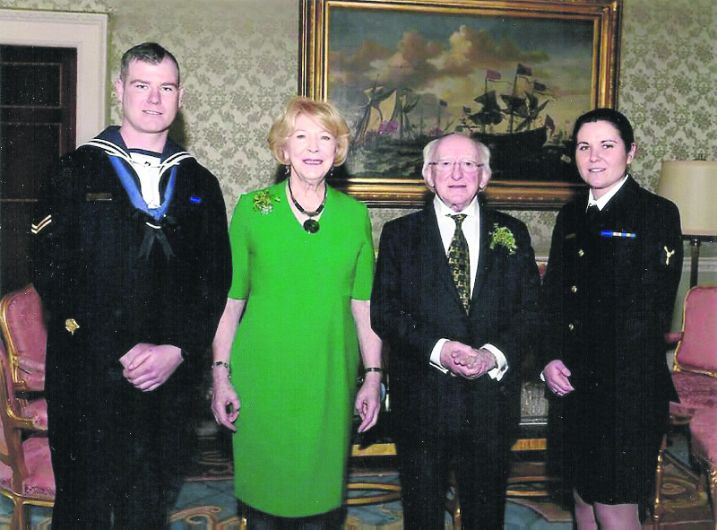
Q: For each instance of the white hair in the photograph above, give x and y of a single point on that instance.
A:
(430, 149)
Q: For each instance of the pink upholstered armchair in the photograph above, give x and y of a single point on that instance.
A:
(695, 377)
(25, 468)
(695, 363)
(25, 337)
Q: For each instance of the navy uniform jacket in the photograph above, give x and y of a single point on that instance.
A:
(609, 299)
(98, 262)
(608, 296)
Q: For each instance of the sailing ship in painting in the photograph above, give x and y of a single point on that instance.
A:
(386, 115)
(527, 128)
(515, 126)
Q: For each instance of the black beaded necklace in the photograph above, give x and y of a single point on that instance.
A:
(310, 225)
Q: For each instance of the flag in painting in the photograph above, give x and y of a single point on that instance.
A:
(524, 70)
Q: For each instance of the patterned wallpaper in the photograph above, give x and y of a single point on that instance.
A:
(239, 62)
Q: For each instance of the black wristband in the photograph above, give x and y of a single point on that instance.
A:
(372, 369)
(222, 364)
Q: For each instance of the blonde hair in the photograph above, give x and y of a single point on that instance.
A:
(321, 111)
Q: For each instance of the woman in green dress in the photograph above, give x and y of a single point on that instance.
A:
(297, 315)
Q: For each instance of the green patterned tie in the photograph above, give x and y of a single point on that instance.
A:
(459, 261)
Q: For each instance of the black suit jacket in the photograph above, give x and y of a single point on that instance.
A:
(415, 303)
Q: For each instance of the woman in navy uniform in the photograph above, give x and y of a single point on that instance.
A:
(609, 290)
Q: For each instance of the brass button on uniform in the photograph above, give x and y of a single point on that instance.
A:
(574, 289)
(581, 253)
(71, 326)
(571, 326)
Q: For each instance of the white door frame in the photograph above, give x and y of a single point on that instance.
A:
(86, 32)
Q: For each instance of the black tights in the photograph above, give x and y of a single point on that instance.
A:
(257, 520)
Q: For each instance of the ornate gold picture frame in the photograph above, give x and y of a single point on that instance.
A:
(514, 74)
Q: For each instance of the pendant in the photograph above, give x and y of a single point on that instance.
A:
(311, 226)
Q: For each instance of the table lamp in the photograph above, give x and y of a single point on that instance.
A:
(692, 186)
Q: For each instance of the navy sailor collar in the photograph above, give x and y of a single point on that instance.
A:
(110, 140)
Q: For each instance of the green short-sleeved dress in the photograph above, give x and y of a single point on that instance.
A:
(295, 356)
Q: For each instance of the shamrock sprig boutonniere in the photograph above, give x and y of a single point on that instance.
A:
(264, 202)
(501, 236)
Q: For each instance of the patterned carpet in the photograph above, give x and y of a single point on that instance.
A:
(206, 501)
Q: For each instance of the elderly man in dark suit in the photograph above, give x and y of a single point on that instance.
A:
(455, 297)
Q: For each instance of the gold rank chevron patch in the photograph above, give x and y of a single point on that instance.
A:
(37, 228)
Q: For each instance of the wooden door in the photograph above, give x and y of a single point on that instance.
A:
(37, 125)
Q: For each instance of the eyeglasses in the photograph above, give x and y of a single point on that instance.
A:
(466, 166)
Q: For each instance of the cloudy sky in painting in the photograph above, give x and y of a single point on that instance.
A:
(445, 57)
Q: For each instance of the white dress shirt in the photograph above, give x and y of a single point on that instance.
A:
(602, 201)
(146, 165)
(471, 231)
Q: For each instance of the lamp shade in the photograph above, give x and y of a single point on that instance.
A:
(692, 186)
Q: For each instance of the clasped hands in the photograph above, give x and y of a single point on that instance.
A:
(465, 361)
(148, 366)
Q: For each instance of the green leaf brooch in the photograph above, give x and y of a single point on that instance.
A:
(264, 202)
(501, 236)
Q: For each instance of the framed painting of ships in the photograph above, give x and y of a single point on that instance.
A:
(513, 74)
